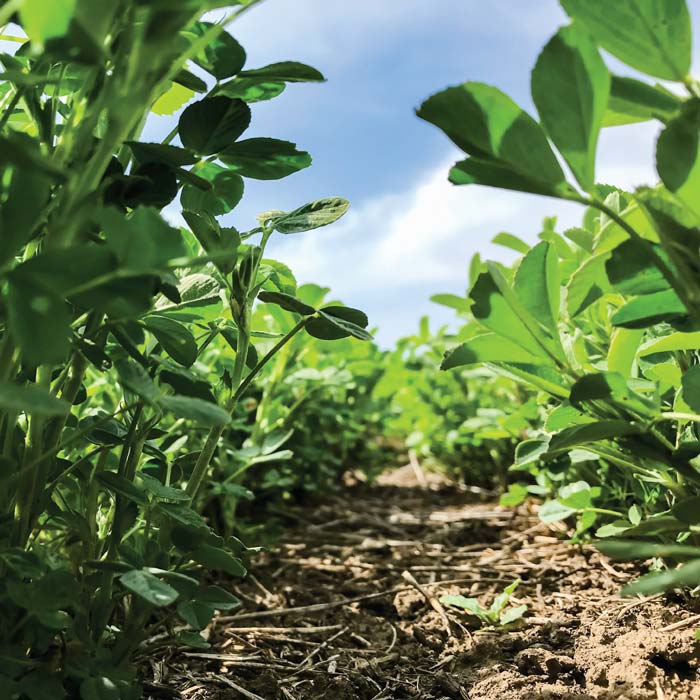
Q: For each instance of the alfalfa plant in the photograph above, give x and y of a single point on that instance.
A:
(109, 419)
(604, 321)
(498, 614)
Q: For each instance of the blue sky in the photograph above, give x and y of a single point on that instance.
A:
(409, 233)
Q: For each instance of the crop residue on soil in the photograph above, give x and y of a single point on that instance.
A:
(578, 641)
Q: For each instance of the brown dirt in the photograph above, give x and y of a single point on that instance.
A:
(578, 641)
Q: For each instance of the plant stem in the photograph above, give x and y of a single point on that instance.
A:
(267, 357)
(34, 445)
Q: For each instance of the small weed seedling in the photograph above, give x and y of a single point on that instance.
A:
(495, 616)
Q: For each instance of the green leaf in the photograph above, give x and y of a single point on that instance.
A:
(622, 352)
(136, 379)
(39, 323)
(501, 600)
(578, 495)
(671, 343)
(553, 511)
(161, 153)
(251, 89)
(589, 433)
(212, 124)
(452, 301)
(25, 194)
(678, 155)
(508, 240)
(46, 19)
(195, 291)
(536, 285)
(26, 564)
(176, 339)
(31, 399)
(633, 101)
(629, 550)
(686, 510)
(190, 81)
(143, 241)
(570, 88)
(486, 123)
(175, 97)
(285, 71)
(225, 193)
(123, 487)
(565, 416)
(649, 309)
(40, 685)
(632, 270)
(542, 377)
(513, 614)
(198, 612)
(515, 495)
(222, 599)
(599, 386)
(160, 491)
(287, 302)
(587, 284)
(335, 322)
(149, 587)
(613, 529)
(582, 237)
(194, 640)
(659, 524)
(490, 347)
(310, 216)
(651, 584)
(216, 559)
(471, 605)
(21, 150)
(490, 173)
(493, 311)
(184, 515)
(223, 56)
(653, 37)
(265, 159)
(201, 412)
(195, 614)
(691, 387)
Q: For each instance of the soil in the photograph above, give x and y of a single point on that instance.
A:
(578, 640)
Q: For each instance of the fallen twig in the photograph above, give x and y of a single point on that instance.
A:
(681, 623)
(431, 600)
(245, 693)
(321, 607)
(318, 649)
(282, 630)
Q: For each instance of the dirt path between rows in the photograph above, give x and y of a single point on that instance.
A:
(578, 640)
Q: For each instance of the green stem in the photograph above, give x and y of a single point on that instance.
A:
(207, 453)
(243, 322)
(604, 511)
(267, 357)
(34, 445)
(672, 415)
